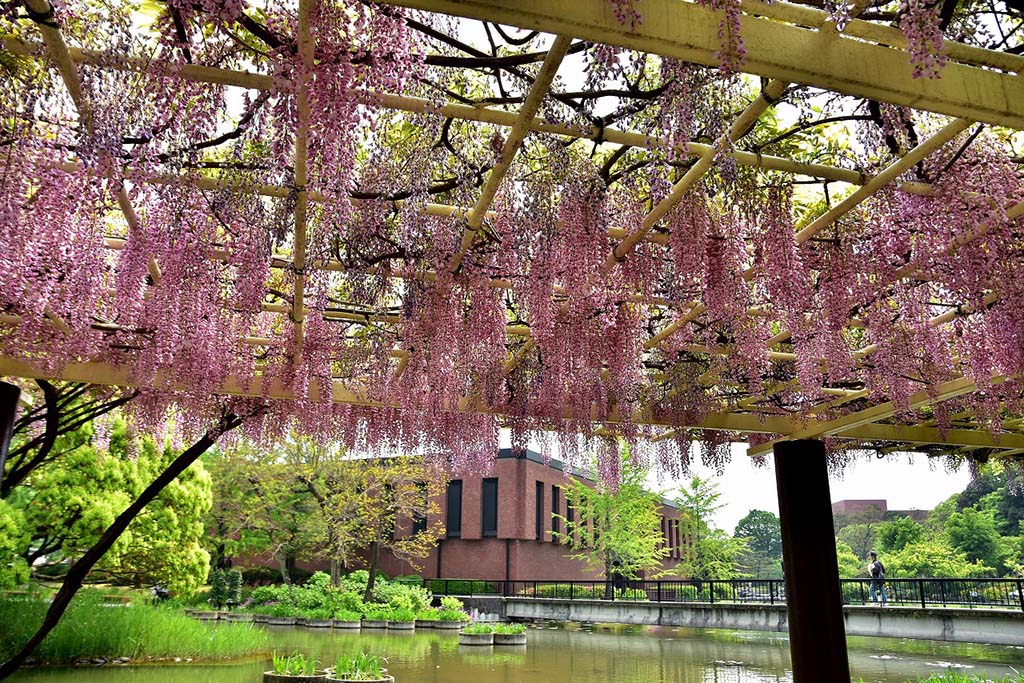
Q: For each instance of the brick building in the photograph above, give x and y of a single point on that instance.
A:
(864, 510)
(501, 526)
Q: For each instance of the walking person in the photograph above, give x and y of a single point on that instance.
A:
(877, 572)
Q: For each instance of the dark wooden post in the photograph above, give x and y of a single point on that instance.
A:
(9, 395)
(817, 635)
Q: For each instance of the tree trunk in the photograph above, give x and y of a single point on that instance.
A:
(76, 575)
(608, 595)
(335, 573)
(374, 556)
(282, 566)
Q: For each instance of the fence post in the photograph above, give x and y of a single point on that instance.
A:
(659, 590)
(572, 585)
(535, 590)
(920, 589)
(446, 587)
(1020, 593)
(771, 591)
(711, 591)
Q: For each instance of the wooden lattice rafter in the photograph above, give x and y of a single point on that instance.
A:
(865, 60)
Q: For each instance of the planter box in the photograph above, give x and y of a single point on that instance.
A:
(281, 621)
(449, 625)
(374, 624)
(344, 624)
(238, 616)
(401, 625)
(426, 623)
(260, 618)
(510, 638)
(318, 623)
(318, 676)
(205, 615)
(341, 677)
(476, 639)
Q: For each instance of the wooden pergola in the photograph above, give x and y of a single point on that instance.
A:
(787, 45)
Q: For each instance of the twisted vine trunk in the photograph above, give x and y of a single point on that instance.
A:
(76, 576)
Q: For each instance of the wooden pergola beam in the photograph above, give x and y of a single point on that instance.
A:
(513, 142)
(823, 59)
(480, 114)
(96, 372)
(975, 438)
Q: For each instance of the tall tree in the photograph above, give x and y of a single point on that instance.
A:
(763, 530)
(974, 533)
(615, 531)
(367, 506)
(896, 534)
(715, 554)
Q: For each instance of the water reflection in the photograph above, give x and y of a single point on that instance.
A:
(574, 654)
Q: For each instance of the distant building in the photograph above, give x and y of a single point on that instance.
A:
(501, 526)
(860, 511)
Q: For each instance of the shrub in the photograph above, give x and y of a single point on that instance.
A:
(376, 612)
(260, 576)
(428, 614)
(347, 615)
(582, 592)
(361, 667)
(402, 614)
(460, 586)
(478, 628)
(218, 588)
(233, 589)
(451, 603)
(278, 609)
(509, 629)
(402, 595)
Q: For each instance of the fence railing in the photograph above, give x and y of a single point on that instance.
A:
(937, 592)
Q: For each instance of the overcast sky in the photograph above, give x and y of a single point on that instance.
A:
(905, 481)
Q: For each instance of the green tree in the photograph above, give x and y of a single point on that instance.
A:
(861, 537)
(763, 530)
(850, 566)
(929, 559)
(14, 543)
(367, 506)
(896, 534)
(715, 554)
(974, 533)
(615, 531)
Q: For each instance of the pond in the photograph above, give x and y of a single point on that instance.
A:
(571, 654)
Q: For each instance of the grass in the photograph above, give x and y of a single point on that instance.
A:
(361, 667)
(952, 677)
(295, 664)
(509, 629)
(482, 629)
(91, 629)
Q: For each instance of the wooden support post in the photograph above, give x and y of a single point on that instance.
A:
(817, 636)
(9, 395)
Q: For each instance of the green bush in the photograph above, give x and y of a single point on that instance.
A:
(581, 592)
(460, 586)
(509, 629)
(347, 615)
(478, 629)
(218, 588)
(376, 612)
(233, 578)
(429, 614)
(295, 664)
(402, 614)
(89, 630)
(260, 576)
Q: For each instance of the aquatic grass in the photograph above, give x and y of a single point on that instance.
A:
(509, 629)
(955, 677)
(482, 629)
(360, 667)
(295, 664)
(91, 629)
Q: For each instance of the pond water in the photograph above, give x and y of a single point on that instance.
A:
(571, 654)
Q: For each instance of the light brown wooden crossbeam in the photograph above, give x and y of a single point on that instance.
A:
(59, 53)
(823, 59)
(513, 142)
(95, 372)
(882, 411)
(470, 113)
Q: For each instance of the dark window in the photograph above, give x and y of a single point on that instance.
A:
(556, 508)
(454, 521)
(664, 533)
(570, 516)
(490, 511)
(539, 525)
(675, 526)
(419, 520)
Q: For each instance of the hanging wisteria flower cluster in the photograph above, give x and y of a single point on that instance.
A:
(598, 292)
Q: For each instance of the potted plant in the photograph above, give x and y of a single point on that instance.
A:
(319, 618)
(345, 618)
(426, 618)
(363, 667)
(477, 634)
(279, 614)
(294, 668)
(376, 616)
(509, 634)
(451, 616)
(402, 619)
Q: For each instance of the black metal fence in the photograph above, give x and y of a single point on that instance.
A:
(972, 593)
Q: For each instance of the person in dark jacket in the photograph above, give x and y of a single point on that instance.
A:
(877, 572)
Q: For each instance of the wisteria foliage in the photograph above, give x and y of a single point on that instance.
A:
(533, 331)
